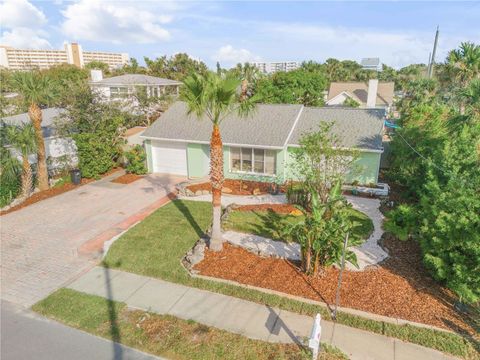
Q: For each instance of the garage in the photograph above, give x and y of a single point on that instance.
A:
(169, 157)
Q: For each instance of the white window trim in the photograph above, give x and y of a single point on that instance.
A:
(253, 162)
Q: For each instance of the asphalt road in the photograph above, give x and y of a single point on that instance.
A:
(26, 335)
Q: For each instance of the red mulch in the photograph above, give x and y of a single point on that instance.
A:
(399, 288)
(235, 187)
(278, 208)
(127, 178)
(53, 191)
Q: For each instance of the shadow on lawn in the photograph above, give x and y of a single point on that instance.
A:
(188, 215)
(112, 317)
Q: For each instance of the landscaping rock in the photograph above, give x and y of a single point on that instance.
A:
(195, 255)
(256, 191)
(205, 192)
(189, 192)
(226, 190)
(198, 192)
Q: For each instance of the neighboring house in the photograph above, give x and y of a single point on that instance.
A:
(260, 146)
(125, 86)
(60, 151)
(133, 136)
(373, 94)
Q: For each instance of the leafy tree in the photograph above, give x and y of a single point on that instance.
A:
(23, 139)
(176, 67)
(98, 65)
(293, 87)
(351, 103)
(37, 89)
(320, 162)
(215, 97)
(10, 170)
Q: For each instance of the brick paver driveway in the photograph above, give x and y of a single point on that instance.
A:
(39, 243)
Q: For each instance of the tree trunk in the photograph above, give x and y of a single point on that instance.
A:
(216, 178)
(244, 90)
(26, 177)
(35, 114)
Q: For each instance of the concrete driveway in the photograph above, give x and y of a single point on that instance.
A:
(39, 243)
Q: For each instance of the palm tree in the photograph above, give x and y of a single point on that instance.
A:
(470, 99)
(247, 74)
(23, 139)
(37, 90)
(215, 97)
(465, 62)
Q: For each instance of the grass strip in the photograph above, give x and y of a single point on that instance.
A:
(163, 335)
(155, 247)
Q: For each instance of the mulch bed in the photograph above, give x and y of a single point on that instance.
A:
(235, 187)
(400, 287)
(127, 178)
(278, 208)
(53, 191)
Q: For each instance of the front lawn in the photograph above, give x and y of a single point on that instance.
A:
(270, 224)
(156, 246)
(163, 335)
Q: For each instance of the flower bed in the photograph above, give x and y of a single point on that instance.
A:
(398, 288)
(234, 187)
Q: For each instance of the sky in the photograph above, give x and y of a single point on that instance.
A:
(398, 32)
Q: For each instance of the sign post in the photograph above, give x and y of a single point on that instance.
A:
(314, 341)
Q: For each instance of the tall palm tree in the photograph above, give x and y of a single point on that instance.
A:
(37, 90)
(465, 62)
(23, 139)
(215, 97)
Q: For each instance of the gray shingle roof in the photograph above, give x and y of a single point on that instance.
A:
(135, 79)
(269, 126)
(272, 124)
(355, 128)
(48, 118)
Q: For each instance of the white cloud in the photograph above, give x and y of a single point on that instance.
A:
(21, 13)
(23, 24)
(25, 38)
(230, 55)
(119, 22)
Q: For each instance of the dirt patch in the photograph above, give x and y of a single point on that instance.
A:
(53, 191)
(235, 187)
(127, 179)
(400, 287)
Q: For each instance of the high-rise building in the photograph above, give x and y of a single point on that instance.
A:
(271, 67)
(25, 59)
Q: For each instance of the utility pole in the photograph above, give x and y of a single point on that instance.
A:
(432, 59)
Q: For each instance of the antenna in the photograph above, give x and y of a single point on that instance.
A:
(432, 59)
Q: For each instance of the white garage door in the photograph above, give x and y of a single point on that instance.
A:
(169, 157)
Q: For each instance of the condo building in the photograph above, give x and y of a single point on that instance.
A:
(26, 59)
(271, 67)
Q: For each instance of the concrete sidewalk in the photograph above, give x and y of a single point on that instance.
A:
(247, 318)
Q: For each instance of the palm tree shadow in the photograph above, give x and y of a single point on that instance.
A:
(180, 205)
(112, 317)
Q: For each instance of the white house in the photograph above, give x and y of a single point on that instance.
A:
(125, 86)
(59, 150)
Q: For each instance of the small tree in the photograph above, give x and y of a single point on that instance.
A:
(321, 162)
(22, 138)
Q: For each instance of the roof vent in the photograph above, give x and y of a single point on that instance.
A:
(96, 75)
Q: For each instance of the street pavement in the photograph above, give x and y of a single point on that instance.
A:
(26, 335)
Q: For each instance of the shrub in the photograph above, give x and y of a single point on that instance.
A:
(401, 222)
(96, 155)
(136, 160)
(9, 190)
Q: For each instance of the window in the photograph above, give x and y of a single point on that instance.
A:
(249, 160)
(118, 92)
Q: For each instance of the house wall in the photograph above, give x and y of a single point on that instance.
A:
(148, 151)
(197, 160)
(365, 169)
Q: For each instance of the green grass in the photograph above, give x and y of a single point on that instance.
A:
(156, 245)
(270, 224)
(163, 335)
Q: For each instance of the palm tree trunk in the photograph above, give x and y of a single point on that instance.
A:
(35, 114)
(27, 177)
(244, 89)
(216, 178)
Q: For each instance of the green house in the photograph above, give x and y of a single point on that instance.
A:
(259, 147)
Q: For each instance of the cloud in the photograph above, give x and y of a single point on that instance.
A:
(24, 23)
(21, 13)
(25, 38)
(119, 22)
(228, 54)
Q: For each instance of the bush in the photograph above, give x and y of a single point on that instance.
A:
(401, 222)
(96, 155)
(9, 190)
(136, 160)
